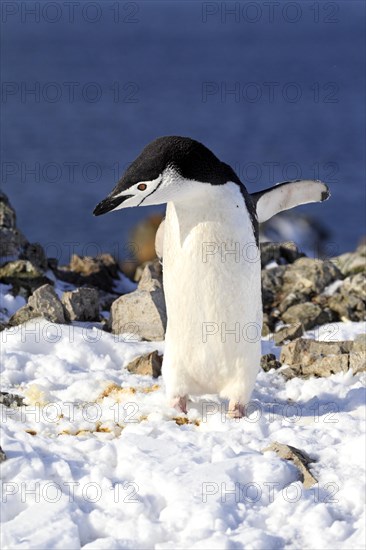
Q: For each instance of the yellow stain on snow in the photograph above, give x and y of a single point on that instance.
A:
(182, 420)
(35, 395)
(116, 392)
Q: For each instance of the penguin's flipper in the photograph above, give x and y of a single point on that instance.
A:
(286, 195)
(159, 240)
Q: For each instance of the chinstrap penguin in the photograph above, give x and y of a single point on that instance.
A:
(211, 263)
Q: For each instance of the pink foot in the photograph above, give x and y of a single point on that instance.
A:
(180, 403)
(236, 410)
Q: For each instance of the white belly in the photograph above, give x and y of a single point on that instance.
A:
(212, 284)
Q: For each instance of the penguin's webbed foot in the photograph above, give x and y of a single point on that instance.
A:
(180, 403)
(236, 409)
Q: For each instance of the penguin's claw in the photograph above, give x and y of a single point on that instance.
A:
(236, 410)
(180, 403)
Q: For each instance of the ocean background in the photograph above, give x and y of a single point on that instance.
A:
(274, 89)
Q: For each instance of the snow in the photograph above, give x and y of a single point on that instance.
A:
(97, 460)
(9, 304)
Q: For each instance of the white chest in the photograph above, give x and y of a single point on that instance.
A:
(211, 262)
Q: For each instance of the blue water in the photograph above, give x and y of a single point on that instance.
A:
(276, 94)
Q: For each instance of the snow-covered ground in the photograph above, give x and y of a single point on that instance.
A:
(99, 460)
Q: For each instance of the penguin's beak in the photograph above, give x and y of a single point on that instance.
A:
(109, 204)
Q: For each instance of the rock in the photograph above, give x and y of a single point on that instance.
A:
(23, 315)
(144, 309)
(288, 333)
(349, 300)
(359, 343)
(7, 213)
(11, 243)
(101, 272)
(141, 312)
(357, 361)
(11, 400)
(352, 262)
(308, 315)
(106, 300)
(86, 265)
(312, 358)
(286, 252)
(24, 276)
(11, 239)
(292, 299)
(148, 364)
(309, 277)
(151, 278)
(272, 280)
(19, 269)
(269, 362)
(2, 455)
(82, 304)
(306, 351)
(268, 324)
(299, 458)
(320, 368)
(45, 302)
(35, 254)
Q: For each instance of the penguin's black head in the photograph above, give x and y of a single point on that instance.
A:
(170, 168)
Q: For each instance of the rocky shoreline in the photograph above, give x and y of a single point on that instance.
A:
(299, 293)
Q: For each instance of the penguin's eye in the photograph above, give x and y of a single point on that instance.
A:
(141, 186)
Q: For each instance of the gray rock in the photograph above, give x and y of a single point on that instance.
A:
(306, 351)
(2, 455)
(141, 312)
(352, 262)
(357, 361)
(24, 276)
(35, 254)
(308, 315)
(291, 299)
(268, 325)
(144, 309)
(288, 333)
(101, 272)
(312, 358)
(11, 400)
(7, 213)
(309, 277)
(23, 315)
(45, 302)
(148, 364)
(106, 300)
(349, 301)
(269, 362)
(152, 277)
(11, 242)
(272, 280)
(359, 343)
(320, 368)
(299, 458)
(19, 269)
(285, 252)
(82, 304)
(11, 239)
